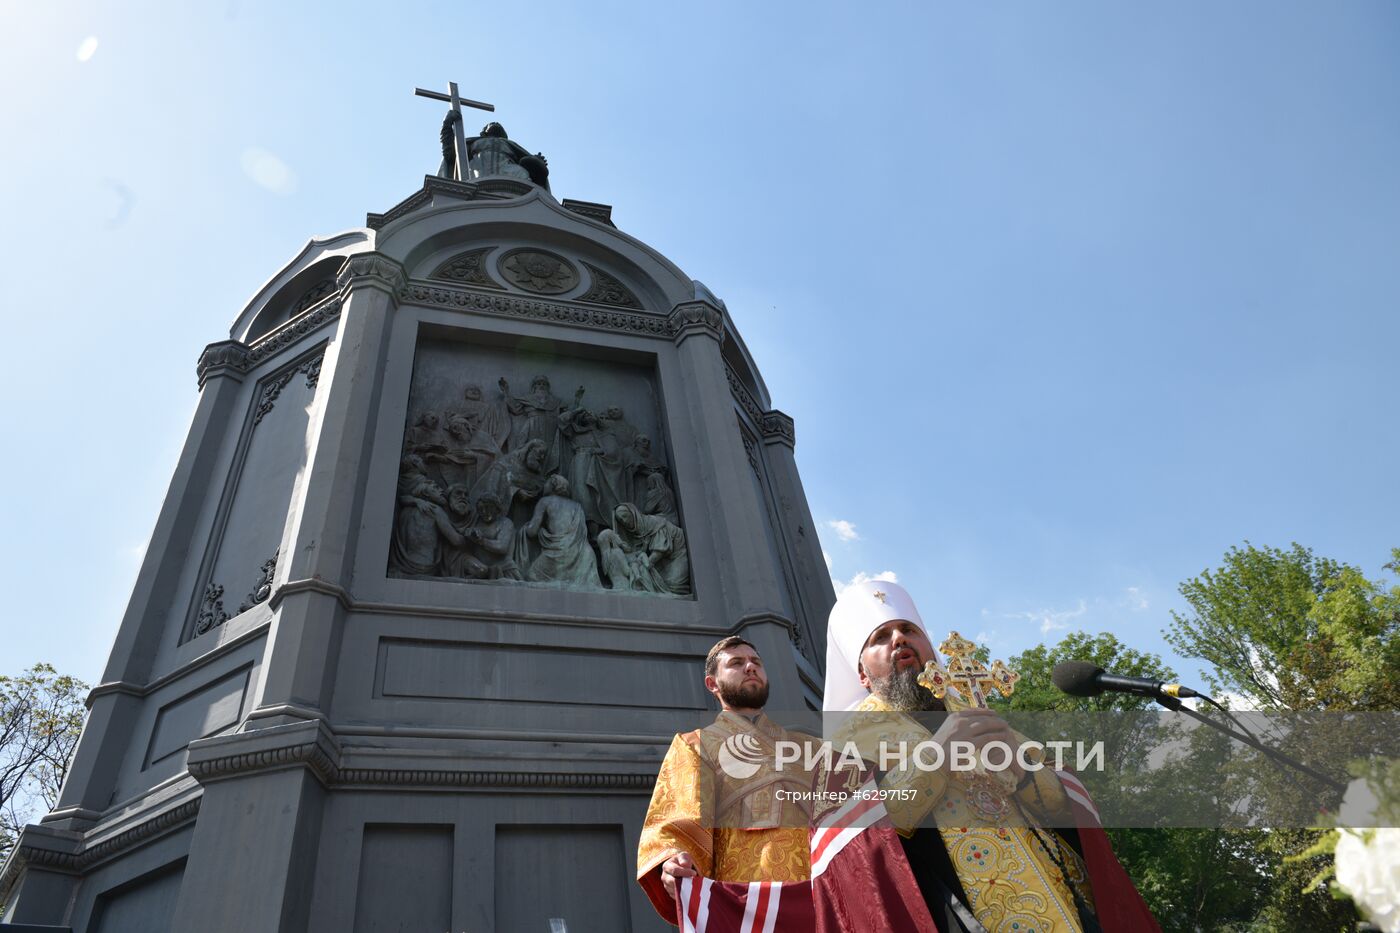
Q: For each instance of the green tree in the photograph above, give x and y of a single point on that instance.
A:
(1292, 631)
(1036, 692)
(1193, 879)
(41, 716)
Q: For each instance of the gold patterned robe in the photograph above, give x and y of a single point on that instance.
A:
(735, 830)
(1012, 883)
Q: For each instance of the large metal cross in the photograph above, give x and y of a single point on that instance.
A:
(457, 102)
(964, 672)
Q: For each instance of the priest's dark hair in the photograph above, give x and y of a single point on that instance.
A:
(729, 641)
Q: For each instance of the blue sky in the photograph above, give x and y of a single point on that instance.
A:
(1066, 299)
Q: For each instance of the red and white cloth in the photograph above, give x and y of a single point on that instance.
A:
(861, 883)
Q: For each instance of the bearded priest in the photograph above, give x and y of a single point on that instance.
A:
(721, 808)
(981, 850)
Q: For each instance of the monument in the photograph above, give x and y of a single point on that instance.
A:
(467, 495)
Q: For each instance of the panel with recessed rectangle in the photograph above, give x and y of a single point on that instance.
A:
(570, 878)
(405, 878)
(204, 712)
(454, 670)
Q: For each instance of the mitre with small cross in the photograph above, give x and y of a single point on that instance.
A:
(862, 608)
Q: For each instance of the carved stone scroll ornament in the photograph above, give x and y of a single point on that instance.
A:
(540, 272)
(211, 611)
(468, 268)
(608, 290)
(314, 295)
(311, 369)
(262, 590)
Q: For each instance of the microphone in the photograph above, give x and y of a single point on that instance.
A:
(1085, 679)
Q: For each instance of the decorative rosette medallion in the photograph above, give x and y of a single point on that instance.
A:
(539, 272)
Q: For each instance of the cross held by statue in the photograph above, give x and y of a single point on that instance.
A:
(457, 102)
(964, 673)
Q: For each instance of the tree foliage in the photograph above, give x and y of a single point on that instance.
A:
(41, 716)
(1036, 692)
(1289, 630)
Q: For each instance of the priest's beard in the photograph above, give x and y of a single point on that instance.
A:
(902, 691)
(745, 696)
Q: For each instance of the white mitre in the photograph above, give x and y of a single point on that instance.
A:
(862, 608)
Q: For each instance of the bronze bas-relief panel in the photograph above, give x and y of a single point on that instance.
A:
(522, 469)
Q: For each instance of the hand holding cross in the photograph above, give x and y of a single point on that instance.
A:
(457, 103)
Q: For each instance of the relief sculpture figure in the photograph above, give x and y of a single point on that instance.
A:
(592, 473)
(492, 540)
(536, 418)
(425, 438)
(533, 489)
(416, 547)
(518, 476)
(456, 553)
(561, 529)
(645, 553)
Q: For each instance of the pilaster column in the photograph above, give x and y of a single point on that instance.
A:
(114, 704)
(815, 595)
(752, 591)
(309, 596)
(252, 861)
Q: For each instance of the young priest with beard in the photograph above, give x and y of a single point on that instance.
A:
(704, 819)
(980, 850)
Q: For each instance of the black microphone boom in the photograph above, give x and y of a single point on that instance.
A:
(1084, 679)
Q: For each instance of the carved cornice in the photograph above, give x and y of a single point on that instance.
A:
(374, 270)
(494, 189)
(84, 856)
(599, 212)
(778, 428)
(298, 327)
(544, 780)
(232, 358)
(311, 585)
(696, 318)
(308, 745)
(420, 198)
(312, 745)
(768, 618)
(742, 395)
(222, 358)
(465, 299)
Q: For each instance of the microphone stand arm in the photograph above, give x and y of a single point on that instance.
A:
(1176, 706)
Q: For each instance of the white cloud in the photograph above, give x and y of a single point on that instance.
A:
(826, 557)
(87, 48)
(982, 638)
(1051, 620)
(1136, 601)
(845, 530)
(888, 576)
(268, 171)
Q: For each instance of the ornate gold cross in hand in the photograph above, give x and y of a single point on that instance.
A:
(967, 674)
